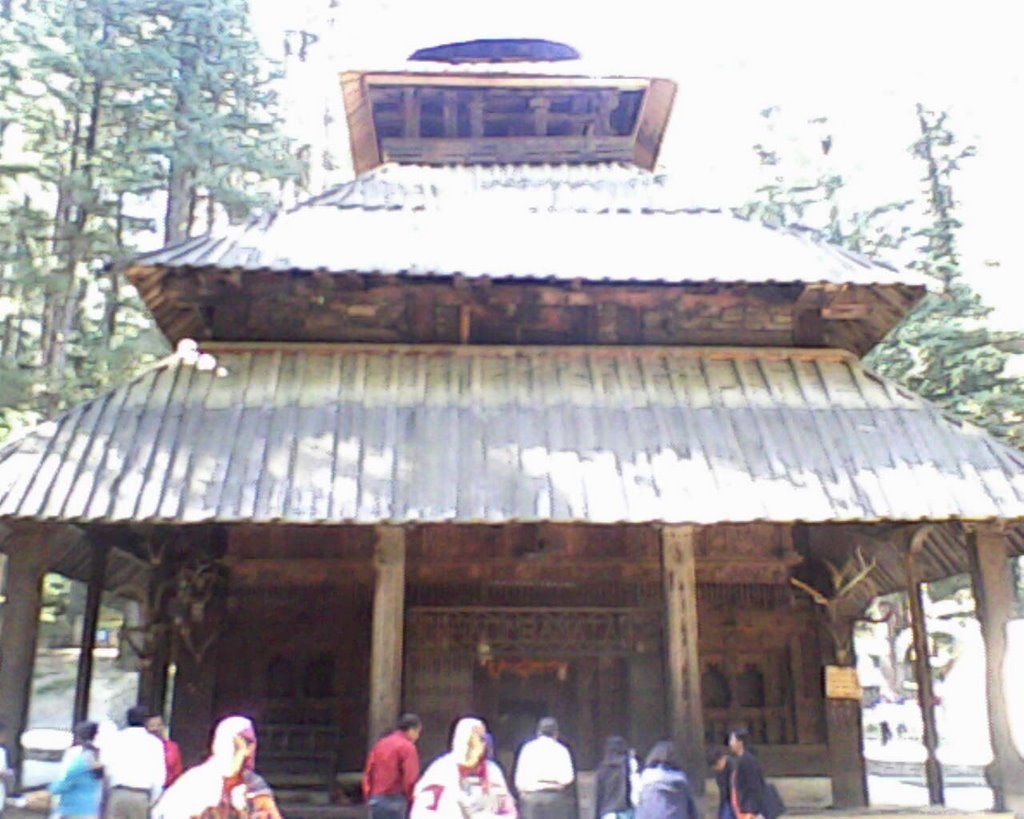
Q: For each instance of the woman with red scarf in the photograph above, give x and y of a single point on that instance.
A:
(226, 785)
(464, 783)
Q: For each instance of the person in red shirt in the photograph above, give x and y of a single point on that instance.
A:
(392, 769)
(172, 753)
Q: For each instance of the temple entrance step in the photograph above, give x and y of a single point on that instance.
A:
(310, 811)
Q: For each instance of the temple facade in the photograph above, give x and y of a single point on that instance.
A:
(506, 426)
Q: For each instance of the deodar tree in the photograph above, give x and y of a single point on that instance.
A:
(944, 350)
(112, 114)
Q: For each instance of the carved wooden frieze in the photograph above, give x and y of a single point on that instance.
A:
(533, 631)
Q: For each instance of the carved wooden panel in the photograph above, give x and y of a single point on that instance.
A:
(532, 632)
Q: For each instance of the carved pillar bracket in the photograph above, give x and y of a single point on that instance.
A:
(681, 631)
(992, 579)
(387, 630)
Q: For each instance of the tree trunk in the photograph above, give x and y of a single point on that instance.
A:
(113, 301)
(176, 215)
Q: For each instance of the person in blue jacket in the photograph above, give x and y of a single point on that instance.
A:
(664, 789)
(79, 787)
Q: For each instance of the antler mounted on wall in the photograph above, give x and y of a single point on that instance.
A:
(198, 581)
(845, 579)
(185, 578)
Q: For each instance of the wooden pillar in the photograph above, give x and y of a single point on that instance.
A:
(93, 597)
(846, 740)
(410, 114)
(607, 103)
(646, 682)
(197, 639)
(157, 659)
(923, 675)
(388, 629)
(26, 565)
(804, 704)
(992, 579)
(450, 114)
(686, 720)
(540, 107)
(153, 675)
(476, 114)
(195, 683)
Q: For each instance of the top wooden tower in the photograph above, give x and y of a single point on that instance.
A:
(500, 102)
(504, 195)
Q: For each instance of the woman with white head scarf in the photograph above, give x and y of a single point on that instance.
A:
(464, 783)
(226, 785)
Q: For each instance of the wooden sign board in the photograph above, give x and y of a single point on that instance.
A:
(841, 683)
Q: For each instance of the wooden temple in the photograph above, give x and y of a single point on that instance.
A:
(505, 425)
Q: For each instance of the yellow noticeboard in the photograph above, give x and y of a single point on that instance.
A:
(841, 683)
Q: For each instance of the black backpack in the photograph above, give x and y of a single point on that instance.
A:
(772, 804)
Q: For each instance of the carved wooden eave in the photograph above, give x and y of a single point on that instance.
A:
(232, 305)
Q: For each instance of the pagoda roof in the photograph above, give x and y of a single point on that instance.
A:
(369, 434)
(601, 222)
(568, 225)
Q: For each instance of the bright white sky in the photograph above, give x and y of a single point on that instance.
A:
(862, 64)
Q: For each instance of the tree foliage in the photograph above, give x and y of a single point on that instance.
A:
(944, 350)
(111, 113)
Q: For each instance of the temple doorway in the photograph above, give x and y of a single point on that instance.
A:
(513, 694)
(512, 665)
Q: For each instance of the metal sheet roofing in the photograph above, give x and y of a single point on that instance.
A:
(369, 434)
(592, 223)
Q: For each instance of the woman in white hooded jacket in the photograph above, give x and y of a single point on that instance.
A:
(463, 783)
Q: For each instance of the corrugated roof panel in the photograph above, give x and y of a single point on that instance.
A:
(492, 434)
(606, 222)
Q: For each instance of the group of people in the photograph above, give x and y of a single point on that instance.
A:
(662, 790)
(138, 774)
(468, 783)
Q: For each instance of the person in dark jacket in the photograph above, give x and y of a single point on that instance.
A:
(612, 799)
(664, 789)
(747, 780)
(720, 764)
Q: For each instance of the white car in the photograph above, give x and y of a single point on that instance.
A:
(46, 744)
(42, 749)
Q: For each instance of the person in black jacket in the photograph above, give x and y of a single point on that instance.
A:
(612, 782)
(747, 780)
(720, 764)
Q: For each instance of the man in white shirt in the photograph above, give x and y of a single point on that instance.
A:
(133, 762)
(544, 774)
